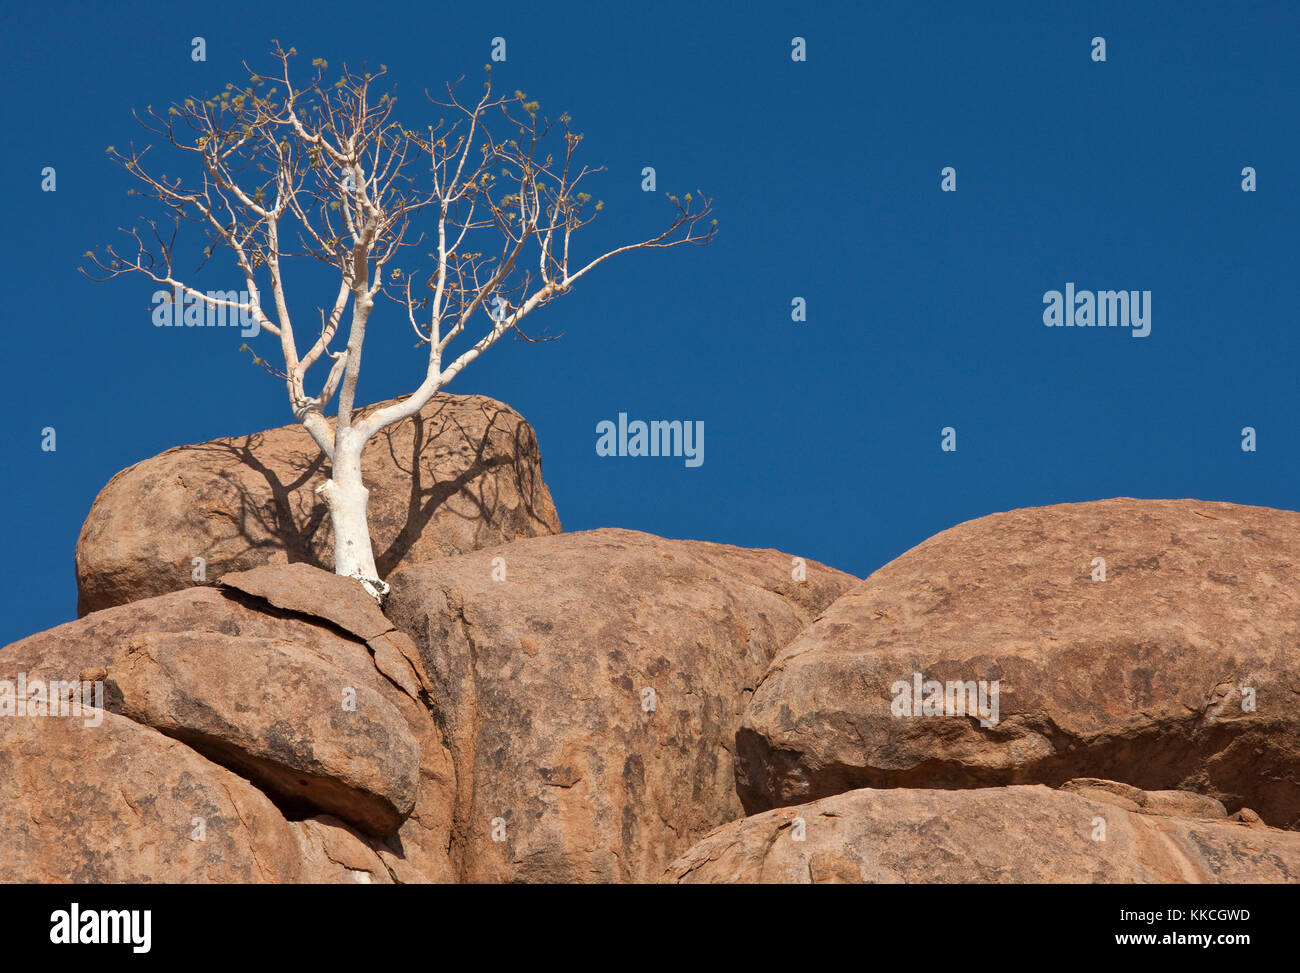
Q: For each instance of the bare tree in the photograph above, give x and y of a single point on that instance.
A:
(325, 172)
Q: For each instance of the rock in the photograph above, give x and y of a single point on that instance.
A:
(64, 651)
(1147, 677)
(119, 802)
(302, 589)
(981, 837)
(306, 590)
(1248, 817)
(397, 658)
(420, 849)
(204, 616)
(1177, 804)
(591, 685)
(339, 854)
(248, 500)
(287, 719)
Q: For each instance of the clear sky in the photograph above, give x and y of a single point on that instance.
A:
(924, 307)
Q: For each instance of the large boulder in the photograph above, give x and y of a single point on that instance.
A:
(103, 799)
(591, 685)
(1178, 671)
(1018, 834)
(282, 716)
(300, 589)
(330, 728)
(465, 473)
(64, 651)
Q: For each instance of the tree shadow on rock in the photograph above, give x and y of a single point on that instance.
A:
(427, 495)
(296, 522)
(274, 526)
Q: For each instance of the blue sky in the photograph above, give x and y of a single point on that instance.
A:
(822, 438)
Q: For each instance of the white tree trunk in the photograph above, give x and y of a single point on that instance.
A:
(347, 498)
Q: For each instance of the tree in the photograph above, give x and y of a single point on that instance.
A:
(327, 173)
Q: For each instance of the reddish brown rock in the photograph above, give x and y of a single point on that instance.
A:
(119, 802)
(591, 685)
(1017, 834)
(87, 647)
(419, 852)
(1146, 678)
(339, 855)
(64, 651)
(1178, 804)
(304, 590)
(464, 474)
(301, 728)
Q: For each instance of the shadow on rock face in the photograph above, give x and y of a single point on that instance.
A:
(464, 473)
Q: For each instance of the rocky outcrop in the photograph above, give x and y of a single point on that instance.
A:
(334, 769)
(463, 474)
(1179, 670)
(996, 705)
(1016, 834)
(588, 686)
(119, 802)
(304, 590)
(278, 714)
(591, 685)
